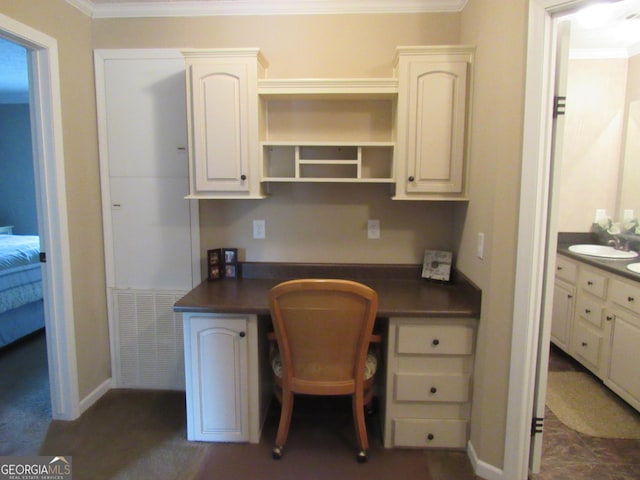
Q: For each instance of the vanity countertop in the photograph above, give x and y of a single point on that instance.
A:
(401, 290)
(617, 266)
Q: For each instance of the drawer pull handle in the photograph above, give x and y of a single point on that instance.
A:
(430, 437)
(433, 390)
(584, 344)
(630, 299)
(435, 342)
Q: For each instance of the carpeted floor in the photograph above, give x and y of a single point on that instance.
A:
(141, 434)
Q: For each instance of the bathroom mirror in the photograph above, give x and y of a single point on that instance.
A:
(629, 195)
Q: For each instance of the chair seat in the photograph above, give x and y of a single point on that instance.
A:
(370, 366)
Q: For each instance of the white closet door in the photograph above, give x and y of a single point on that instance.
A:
(151, 231)
(148, 222)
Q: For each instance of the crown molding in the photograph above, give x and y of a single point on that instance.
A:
(196, 8)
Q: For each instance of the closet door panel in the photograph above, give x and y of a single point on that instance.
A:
(146, 119)
(151, 238)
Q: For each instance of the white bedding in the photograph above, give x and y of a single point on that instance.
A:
(20, 275)
(18, 250)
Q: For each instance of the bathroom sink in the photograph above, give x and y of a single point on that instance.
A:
(634, 267)
(603, 251)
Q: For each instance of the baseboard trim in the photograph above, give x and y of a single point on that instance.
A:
(483, 469)
(96, 394)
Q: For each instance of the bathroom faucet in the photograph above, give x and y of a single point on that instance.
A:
(616, 243)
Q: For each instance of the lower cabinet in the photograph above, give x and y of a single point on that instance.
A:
(224, 399)
(604, 331)
(428, 382)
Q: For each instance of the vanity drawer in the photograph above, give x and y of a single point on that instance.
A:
(594, 283)
(435, 339)
(414, 432)
(587, 344)
(590, 309)
(566, 270)
(625, 295)
(419, 387)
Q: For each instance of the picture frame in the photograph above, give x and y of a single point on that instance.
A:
(231, 271)
(229, 256)
(214, 256)
(215, 272)
(436, 265)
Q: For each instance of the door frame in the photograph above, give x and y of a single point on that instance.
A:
(48, 156)
(531, 306)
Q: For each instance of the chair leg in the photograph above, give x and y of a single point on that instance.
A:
(361, 427)
(283, 427)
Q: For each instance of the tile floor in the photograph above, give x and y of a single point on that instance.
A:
(568, 454)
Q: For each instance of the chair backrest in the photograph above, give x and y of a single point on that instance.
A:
(323, 328)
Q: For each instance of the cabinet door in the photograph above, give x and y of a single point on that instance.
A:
(435, 126)
(562, 314)
(217, 385)
(624, 375)
(219, 126)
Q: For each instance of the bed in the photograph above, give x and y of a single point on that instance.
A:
(21, 305)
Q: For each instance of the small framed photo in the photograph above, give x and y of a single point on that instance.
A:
(436, 265)
(214, 257)
(231, 271)
(215, 272)
(230, 255)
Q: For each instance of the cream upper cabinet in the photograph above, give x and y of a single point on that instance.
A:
(432, 113)
(222, 116)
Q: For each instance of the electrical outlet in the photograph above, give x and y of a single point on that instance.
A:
(373, 229)
(259, 229)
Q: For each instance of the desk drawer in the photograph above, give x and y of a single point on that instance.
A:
(414, 432)
(435, 339)
(417, 387)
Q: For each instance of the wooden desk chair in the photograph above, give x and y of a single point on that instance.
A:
(323, 330)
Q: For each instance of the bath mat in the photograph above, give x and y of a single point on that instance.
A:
(583, 404)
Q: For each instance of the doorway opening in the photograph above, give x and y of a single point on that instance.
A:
(50, 192)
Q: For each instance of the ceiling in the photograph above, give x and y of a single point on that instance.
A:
(618, 36)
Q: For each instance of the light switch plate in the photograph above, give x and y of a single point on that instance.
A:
(480, 247)
(373, 229)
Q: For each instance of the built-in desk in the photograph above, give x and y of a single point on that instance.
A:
(430, 335)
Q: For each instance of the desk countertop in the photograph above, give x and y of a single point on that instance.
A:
(401, 290)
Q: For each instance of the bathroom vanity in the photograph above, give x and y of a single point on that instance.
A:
(596, 318)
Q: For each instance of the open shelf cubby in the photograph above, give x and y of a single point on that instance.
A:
(370, 162)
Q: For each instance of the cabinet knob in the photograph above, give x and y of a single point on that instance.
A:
(587, 311)
(433, 389)
(243, 334)
(430, 437)
(589, 282)
(558, 268)
(609, 318)
(243, 177)
(630, 299)
(584, 344)
(569, 296)
(411, 178)
(435, 342)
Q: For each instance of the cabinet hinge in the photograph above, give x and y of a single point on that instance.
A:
(559, 105)
(43, 257)
(537, 425)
